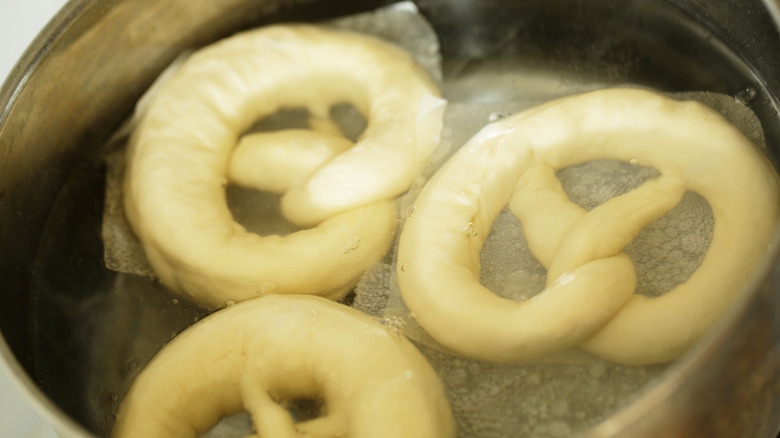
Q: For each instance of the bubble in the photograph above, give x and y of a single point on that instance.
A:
(132, 364)
(175, 301)
(404, 267)
(229, 303)
(633, 162)
(355, 244)
(394, 324)
(496, 116)
(411, 211)
(470, 230)
(745, 95)
(352, 245)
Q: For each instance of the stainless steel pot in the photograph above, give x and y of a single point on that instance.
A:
(82, 75)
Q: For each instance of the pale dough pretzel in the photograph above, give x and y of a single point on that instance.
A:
(178, 160)
(588, 300)
(255, 354)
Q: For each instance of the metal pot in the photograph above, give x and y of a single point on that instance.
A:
(83, 74)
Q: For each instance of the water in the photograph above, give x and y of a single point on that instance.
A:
(536, 400)
(115, 322)
(96, 328)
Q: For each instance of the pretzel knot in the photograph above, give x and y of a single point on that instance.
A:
(589, 300)
(182, 154)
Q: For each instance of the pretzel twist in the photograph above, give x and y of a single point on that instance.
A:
(179, 161)
(589, 300)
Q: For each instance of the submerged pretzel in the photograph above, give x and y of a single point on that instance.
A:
(272, 349)
(588, 300)
(179, 153)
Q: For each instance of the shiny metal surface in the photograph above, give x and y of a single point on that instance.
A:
(81, 76)
(20, 411)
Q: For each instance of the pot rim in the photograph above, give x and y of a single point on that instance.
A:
(652, 398)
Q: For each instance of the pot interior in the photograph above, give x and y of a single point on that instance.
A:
(83, 332)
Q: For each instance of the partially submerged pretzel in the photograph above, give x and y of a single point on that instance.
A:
(588, 300)
(179, 153)
(258, 354)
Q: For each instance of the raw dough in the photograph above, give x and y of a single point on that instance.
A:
(272, 349)
(588, 300)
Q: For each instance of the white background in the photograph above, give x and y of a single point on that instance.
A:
(20, 22)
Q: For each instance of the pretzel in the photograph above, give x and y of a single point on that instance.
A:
(178, 161)
(261, 353)
(589, 300)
